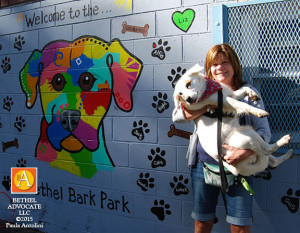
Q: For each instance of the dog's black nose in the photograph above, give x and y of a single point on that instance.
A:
(70, 119)
(189, 100)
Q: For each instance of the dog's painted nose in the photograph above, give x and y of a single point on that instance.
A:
(70, 119)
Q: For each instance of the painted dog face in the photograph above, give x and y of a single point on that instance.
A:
(76, 81)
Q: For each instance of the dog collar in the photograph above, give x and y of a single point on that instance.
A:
(212, 86)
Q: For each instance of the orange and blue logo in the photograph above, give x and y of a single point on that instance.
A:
(24, 180)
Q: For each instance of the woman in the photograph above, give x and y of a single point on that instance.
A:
(222, 64)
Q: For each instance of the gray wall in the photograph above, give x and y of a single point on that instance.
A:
(149, 188)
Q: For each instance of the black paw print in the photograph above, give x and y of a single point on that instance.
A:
(21, 163)
(0, 123)
(5, 64)
(19, 123)
(7, 103)
(140, 130)
(0, 47)
(292, 203)
(266, 174)
(176, 75)
(160, 209)
(145, 181)
(157, 158)
(6, 182)
(19, 42)
(161, 104)
(160, 51)
(178, 186)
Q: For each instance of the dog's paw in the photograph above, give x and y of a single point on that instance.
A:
(252, 95)
(290, 153)
(284, 140)
(262, 113)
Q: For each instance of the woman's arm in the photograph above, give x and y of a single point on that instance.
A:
(235, 155)
(193, 114)
(183, 115)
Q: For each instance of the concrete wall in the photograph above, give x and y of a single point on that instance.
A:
(124, 172)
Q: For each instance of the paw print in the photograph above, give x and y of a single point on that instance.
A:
(19, 123)
(6, 182)
(0, 47)
(266, 174)
(160, 51)
(160, 209)
(5, 64)
(43, 148)
(178, 186)
(157, 158)
(0, 123)
(176, 75)
(19, 42)
(21, 163)
(7, 103)
(292, 203)
(139, 130)
(145, 181)
(161, 104)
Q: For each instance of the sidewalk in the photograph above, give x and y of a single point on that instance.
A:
(15, 230)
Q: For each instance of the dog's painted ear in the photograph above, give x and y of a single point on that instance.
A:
(29, 77)
(196, 69)
(126, 70)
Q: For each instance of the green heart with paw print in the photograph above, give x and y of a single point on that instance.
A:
(183, 20)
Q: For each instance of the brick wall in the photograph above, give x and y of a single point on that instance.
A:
(145, 185)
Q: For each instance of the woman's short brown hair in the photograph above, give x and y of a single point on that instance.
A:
(233, 58)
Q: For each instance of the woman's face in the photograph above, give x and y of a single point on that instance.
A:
(222, 70)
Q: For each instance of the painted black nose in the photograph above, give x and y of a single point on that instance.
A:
(70, 119)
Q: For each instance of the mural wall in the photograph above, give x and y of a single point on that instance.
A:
(87, 99)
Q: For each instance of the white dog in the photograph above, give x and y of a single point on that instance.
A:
(190, 92)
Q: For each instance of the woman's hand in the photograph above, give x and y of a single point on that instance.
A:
(235, 155)
(193, 114)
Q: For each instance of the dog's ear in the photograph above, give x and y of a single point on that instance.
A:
(126, 70)
(196, 69)
(176, 101)
(29, 77)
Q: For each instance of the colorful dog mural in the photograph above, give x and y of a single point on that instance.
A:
(76, 81)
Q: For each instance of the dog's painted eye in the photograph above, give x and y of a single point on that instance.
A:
(86, 81)
(188, 85)
(58, 82)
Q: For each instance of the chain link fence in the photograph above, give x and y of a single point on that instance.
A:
(267, 39)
